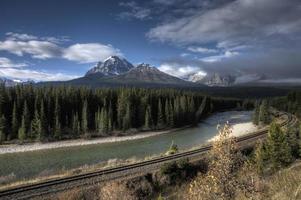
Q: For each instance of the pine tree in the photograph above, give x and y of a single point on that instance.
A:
(277, 147)
(127, 119)
(26, 117)
(160, 118)
(43, 120)
(75, 125)
(171, 115)
(121, 109)
(260, 157)
(293, 140)
(148, 119)
(98, 119)
(256, 114)
(57, 124)
(110, 118)
(2, 129)
(36, 127)
(15, 122)
(264, 116)
(21, 131)
(84, 121)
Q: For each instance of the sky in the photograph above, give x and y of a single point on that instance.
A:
(61, 39)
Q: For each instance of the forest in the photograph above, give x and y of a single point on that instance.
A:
(290, 103)
(54, 113)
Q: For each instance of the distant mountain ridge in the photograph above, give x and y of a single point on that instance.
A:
(115, 72)
(8, 82)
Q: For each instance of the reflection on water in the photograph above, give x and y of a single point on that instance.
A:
(45, 162)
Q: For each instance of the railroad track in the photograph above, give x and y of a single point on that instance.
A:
(57, 185)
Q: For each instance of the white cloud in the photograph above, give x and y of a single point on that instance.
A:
(91, 52)
(184, 54)
(13, 70)
(20, 36)
(7, 63)
(227, 54)
(48, 47)
(178, 70)
(37, 49)
(135, 11)
(201, 50)
(28, 37)
(34, 75)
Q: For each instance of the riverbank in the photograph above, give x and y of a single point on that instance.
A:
(237, 131)
(17, 148)
(240, 129)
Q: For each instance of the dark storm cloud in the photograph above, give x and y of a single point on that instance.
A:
(238, 22)
(278, 64)
(244, 36)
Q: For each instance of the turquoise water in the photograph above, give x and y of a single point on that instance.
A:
(45, 162)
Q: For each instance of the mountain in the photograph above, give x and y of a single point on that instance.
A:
(217, 80)
(8, 82)
(144, 73)
(197, 77)
(112, 66)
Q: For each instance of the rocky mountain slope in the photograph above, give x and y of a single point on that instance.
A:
(148, 74)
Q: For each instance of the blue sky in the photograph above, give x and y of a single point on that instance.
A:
(62, 39)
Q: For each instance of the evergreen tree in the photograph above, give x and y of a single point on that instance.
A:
(105, 121)
(84, 121)
(110, 118)
(98, 122)
(36, 127)
(171, 115)
(148, 119)
(127, 119)
(256, 114)
(21, 131)
(293, 140)
(57, 123)
(264, 116)
(15, 122)
(167, 113)
(160, 118)
(2, 129)
(277, 147)
(260, 157)
(75, 125)
(26, 117)
(43, 121)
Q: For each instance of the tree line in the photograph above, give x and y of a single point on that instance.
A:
(53, 113)
(290, 103)
(261, 115)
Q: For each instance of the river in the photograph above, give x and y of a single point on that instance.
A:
(28, 165)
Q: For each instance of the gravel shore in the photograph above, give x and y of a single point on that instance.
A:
(15, 148)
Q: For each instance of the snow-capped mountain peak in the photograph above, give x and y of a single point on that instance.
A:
(111, 66)
(197, 76)
(143, 67)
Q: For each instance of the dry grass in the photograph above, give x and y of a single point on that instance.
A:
(91, 193)
(286, 184)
